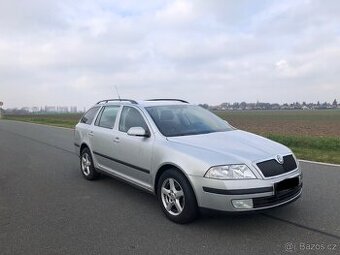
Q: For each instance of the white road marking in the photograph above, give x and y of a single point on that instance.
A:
(318, 163)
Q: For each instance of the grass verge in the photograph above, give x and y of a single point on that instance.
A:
(59, 120)
(322, 149)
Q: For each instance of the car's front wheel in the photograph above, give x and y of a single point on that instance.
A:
(176, 197)
(86, 165)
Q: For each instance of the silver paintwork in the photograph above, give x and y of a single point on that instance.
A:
(192, 155)
(137, 131)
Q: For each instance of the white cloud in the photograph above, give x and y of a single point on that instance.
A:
(176, 13)
(66, 52)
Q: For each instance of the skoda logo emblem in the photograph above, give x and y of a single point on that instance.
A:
(279, 159)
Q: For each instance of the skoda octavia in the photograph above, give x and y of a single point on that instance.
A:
(185, 155)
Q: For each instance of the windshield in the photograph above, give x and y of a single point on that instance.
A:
(181, 120)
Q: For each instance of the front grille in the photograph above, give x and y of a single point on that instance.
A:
(272, 167)
(280, 197)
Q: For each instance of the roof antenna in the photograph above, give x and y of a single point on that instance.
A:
(118, 93)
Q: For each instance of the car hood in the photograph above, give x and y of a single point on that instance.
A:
(235, 145)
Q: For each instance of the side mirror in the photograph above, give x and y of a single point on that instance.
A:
(138, 131)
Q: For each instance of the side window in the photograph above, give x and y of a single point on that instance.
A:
(107, 117)
(89, 115)
(130, 117)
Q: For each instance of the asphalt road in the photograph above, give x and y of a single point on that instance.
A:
(47, 207)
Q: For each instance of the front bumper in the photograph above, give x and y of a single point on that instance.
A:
(259, 193)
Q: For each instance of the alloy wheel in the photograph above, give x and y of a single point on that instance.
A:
(86, 164)
(172, 196)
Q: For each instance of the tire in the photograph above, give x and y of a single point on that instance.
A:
(176, 197)
(86, 165)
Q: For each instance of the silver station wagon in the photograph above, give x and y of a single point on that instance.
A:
(185, 155)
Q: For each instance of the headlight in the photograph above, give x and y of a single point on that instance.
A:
(230, 172)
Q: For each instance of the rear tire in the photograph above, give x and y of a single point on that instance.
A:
(87, 166)
(176, 197)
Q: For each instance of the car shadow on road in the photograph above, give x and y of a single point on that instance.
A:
(140, 199)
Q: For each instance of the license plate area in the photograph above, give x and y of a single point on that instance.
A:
(286, 185)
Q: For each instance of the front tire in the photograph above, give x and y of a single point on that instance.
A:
(87, 166)
(176, 197)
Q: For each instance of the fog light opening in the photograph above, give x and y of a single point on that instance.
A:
(243, 203)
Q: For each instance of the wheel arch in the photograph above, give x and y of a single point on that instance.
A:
(166, 167)
(83, 146)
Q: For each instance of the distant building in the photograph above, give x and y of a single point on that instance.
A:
(25, 109)
(35, 109)
(271, 106)
(50, 109)
(62, 109)
(73, 109)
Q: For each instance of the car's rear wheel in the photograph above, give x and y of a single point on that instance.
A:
(86, 165)
(176, 197)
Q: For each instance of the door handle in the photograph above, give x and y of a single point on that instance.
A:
(116, 140)
(91, 133)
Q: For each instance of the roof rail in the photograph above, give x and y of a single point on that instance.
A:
(117, 100)
(168, 99)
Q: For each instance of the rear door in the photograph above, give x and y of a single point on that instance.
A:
(103, 137)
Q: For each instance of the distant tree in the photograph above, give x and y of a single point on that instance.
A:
(206, 106)
(236, 105)
(335, 103)
(243, 105)
(225, 104)
(324, 105)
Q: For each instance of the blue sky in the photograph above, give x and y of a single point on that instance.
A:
(75, 52)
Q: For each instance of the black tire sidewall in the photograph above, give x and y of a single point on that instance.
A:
(190, 211)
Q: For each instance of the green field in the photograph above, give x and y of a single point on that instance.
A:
(61, 120)
(322, 149)
(312, 135)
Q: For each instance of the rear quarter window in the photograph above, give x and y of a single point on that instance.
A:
(89, 115)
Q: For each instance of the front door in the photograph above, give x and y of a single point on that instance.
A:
(135, 153)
